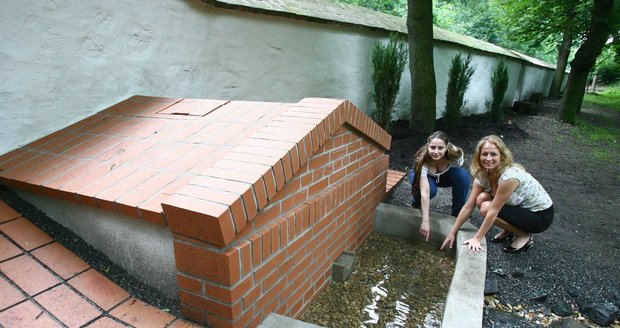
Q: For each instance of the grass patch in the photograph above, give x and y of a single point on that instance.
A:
(603, 139)
(602, 135)
(599, 132)
(610, 98)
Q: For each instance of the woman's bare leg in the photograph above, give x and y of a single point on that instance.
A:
(483, 201)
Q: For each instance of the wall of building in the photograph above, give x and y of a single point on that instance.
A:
(70, 59)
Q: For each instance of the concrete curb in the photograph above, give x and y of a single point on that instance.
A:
(465, 300)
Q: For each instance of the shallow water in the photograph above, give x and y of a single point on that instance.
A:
(395, 283)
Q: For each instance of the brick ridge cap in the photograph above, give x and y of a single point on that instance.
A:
(366, 125)
(328, 114)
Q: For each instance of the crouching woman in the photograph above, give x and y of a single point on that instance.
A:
(503, 189)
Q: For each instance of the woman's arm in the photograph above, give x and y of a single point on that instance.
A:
(464, 214)
(425, 204)
(504, 190)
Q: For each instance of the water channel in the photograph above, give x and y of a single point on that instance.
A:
(395, 283)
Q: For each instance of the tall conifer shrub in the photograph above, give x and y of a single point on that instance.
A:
(461, 71)
(388, 63)
(499, 85)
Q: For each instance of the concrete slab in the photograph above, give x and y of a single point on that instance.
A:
(275, 320)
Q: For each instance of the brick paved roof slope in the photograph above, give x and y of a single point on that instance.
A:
(210, 164)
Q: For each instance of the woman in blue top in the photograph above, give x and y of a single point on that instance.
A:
(440, 163)
(503, 189)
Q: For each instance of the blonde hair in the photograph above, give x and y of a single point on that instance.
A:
(506, 160)
(422, 156)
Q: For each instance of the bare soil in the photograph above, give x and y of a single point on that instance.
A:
(577, 259)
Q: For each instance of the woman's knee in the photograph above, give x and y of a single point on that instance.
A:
(484, 207)
(483, 197)
(461, 177)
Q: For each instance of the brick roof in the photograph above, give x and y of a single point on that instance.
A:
(200, 158)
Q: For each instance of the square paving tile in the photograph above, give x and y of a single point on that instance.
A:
(105, 322)
(10, 294)
(28, 274)
(180, 323)
(99, 289)
(8, 249)
(26, 314)
(140, 314)
(64, 262)
(7, 213)
(25, 234)
(66, 305)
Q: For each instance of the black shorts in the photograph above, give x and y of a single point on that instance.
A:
(526, 220)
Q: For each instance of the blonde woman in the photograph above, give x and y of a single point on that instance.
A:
(503, 189)
(438, 163)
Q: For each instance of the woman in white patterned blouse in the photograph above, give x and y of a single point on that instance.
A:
(503, 189)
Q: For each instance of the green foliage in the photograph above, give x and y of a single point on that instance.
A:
(388, 63)
(533, 27)
(499, 85)
(608, 66)
(610, 98)
(391, 7)
(473, 18)
(602, 134)
(537, 26)
(461, 71)
(599, 131)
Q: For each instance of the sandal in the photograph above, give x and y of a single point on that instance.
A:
(499, 240)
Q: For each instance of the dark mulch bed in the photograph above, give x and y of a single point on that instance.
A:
(577, 260)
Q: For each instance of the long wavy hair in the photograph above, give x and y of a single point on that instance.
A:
(422, 157)
(506, 160)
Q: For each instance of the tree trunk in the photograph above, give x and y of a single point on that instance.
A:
(563, 53)
(601, 26)
(423, 85)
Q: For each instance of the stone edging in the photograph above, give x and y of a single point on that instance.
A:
(465, 300)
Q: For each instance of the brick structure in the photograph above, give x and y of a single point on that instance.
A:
(261, 197)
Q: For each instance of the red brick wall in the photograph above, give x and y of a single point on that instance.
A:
(260, 197)
(282, 259)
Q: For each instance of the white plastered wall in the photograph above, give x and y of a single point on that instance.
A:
(62, 61)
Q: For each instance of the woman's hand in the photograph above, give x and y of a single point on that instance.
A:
(474, 245)
(425, 229)
(449, 241)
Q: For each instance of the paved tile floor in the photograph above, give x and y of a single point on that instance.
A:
(43, 284)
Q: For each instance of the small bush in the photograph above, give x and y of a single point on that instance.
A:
(499, 85)
(388, 63)
(607, 67)
(461, 71)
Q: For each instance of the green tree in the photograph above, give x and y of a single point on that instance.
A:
(604, 21)
(499, 85)
(608, 66)
(388, 64)
(461, 71)
(473, 18)
(421, 65)
(546, 24)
